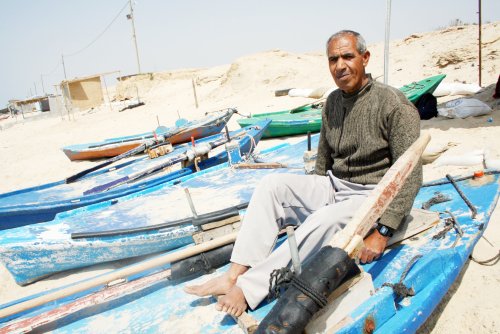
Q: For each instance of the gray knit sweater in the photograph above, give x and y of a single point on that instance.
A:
(363, 134)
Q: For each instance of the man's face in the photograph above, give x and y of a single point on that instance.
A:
(347, 65)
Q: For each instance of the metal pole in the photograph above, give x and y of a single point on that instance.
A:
(131, 17)
(479, 25)
(386, 44)
(294, 250)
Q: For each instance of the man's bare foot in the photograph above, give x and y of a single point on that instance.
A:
(219, 285)
(233, 302)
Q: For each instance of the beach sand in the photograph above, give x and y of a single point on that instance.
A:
(31, 155)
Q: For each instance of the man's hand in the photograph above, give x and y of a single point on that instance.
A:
(374, 247)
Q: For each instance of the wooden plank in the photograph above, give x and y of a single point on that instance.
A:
(227, 221)
(245, 321)
(418, 221)
(202, 237)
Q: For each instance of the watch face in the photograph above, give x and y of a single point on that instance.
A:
(384, 230)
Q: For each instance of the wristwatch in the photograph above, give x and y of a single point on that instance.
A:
(384, 230)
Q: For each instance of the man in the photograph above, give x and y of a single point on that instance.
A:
(366, 126)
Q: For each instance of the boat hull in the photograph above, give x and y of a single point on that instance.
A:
(42, 203)
(439, 255)
(35, 251)
(112, 147)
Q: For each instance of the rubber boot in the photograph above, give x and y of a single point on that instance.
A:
(323, 273)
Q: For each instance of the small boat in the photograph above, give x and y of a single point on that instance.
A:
(42, 203)
(211, 124)
(307, 118)
(141, 223)
(296, 121)
(415, 90)
(428, 263)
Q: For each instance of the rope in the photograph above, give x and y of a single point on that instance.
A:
(436, 199)
(400, 288)
(450, 223)
(281, 278)
(489, 262)
(252, 143)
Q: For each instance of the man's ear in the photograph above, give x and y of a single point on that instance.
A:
(366, 58)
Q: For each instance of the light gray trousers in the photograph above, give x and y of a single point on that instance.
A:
(320, 205)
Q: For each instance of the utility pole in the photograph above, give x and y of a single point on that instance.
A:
(386, 44)
(131, 17)
(479, 25)
(64, 67)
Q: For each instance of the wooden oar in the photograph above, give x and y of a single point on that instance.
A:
(107, 294)
(351, 237)
(201, 149)
(288, 315)
(118, 274)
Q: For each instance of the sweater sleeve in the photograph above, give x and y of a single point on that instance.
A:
(324, 160)
(404, 125)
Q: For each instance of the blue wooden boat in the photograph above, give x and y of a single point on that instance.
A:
(429, 263)
(211, 124)
(42, 203)
(86, 236)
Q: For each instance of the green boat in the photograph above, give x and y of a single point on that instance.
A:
(415, 90)
(308, 118)
(289, 122)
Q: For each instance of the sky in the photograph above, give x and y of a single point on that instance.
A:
(95, 36)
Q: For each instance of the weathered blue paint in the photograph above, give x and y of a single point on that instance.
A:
(37, 250)
(42, 203)
(164, 307)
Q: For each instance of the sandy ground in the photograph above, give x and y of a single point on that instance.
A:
(30, 148)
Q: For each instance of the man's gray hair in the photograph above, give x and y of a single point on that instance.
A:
(360, 41)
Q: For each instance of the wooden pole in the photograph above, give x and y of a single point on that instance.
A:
(480, 57)
(64, 67)
(134, 37)
(112, 292)
(107, 93)
(118, 274)
(194, 92)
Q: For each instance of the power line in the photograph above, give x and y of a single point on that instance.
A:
(52, 72)
(102, 33)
